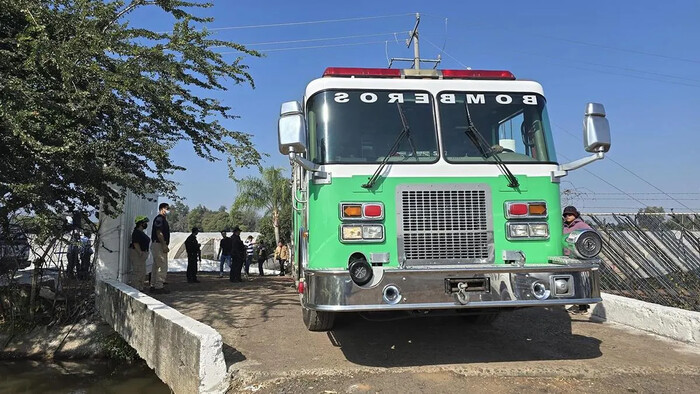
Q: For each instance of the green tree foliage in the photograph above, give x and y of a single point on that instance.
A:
(196, 216)
(246, 218)
(90, 105)
(267, 229)
(216, 221)
(178, 217)
(650, 222)
(271, 192)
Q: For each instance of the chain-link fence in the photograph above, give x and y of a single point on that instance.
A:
(653, 257)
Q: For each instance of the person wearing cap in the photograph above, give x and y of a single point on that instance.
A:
(160, 238)
(237, 256)
(193, 254)
(573, 222)
(138, 253)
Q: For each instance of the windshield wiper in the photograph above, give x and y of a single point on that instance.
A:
(405, 132)
(486, 150)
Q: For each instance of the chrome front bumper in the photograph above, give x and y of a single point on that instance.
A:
(425, 288)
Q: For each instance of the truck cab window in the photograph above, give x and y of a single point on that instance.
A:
(515, 123)
(359, 127)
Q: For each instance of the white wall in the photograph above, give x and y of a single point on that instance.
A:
(115, 235)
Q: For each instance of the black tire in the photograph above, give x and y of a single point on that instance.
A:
(317, 321)
(482, 319)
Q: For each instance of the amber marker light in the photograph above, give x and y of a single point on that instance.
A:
(537, 209)
(352, 211)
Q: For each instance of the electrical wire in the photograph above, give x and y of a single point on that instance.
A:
(308, 47)
(609, 184)
(630, 171)
(618, 48)
(313, 39)
(448, 55)
(579, 42)
(611, 66)
(306, 22)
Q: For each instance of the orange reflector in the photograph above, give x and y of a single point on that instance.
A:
(352, 211)
(537, 209)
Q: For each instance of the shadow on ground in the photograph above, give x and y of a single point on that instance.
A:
(260, 321)
(522, 335)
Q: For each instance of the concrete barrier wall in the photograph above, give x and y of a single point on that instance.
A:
(185, 354)
(674, 323)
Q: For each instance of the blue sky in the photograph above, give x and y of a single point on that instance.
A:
(638, 58)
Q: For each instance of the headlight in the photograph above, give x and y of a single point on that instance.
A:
(352, 233)
(532, 230)
(540, 230)
(360, 233)
(518, 230)
(372, 232)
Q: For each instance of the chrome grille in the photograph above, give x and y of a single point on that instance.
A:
(444, 224)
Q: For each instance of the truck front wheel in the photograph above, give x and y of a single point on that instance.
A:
(316, 320)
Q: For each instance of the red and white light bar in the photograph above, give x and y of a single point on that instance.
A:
(355, 72)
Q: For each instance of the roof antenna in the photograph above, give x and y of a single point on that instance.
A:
(413, 39)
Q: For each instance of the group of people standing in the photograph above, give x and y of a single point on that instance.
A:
(78, 255)
(239, 255)
(157, 243)
(233, 252)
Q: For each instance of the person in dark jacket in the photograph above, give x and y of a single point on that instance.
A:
(193, 255)
(72, 255)
(160, 239)
(224, 255)
(237, 256)
(138, 252)
(573, 222)
(261, 256)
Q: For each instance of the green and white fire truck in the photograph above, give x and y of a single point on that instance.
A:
(432, 190)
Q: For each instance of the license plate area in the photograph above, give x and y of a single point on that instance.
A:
(456, 285)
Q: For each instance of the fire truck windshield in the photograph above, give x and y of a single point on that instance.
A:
(514, 124)
(360, 126)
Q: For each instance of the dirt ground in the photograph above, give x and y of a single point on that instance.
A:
(268, 349)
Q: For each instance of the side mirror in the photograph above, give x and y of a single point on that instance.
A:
(291, 128)
(596, 129)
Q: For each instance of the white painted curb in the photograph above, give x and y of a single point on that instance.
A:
(185, 354)
(674, 323)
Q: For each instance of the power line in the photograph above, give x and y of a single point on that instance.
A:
(443, 51)
(315, 39)
(618, 48)
(306, 22)
(631, 172)
(610, 184)
(695, 83)
(614, 67)
(592, 44)
(309, 47)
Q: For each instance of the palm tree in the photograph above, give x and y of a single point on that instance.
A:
(272, 192)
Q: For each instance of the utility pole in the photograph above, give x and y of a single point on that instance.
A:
(413, 39)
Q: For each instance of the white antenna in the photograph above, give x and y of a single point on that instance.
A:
(413, 38)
